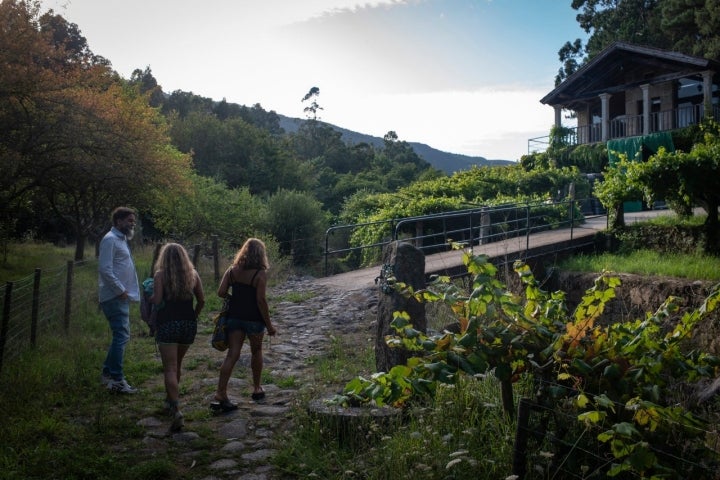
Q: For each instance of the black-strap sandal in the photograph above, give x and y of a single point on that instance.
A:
(258, 396)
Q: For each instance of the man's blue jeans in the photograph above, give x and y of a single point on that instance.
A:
(117, 312)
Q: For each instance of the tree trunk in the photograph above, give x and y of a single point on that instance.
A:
(712, 235)
(80, 247)
(618, 216)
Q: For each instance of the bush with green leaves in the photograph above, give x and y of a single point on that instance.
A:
(298, 223)
(614, 394)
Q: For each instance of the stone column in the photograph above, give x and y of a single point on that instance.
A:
(404, 263)
(558, 115)
(605, 116)
(646, 108)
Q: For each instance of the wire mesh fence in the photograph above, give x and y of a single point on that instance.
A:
(48, 299)
(36, 301)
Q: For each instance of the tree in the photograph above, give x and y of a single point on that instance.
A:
(571, 57)
(312, 109)
(688, 26)
(685, 180)
(615, 189)
(70, 131)
(608, 21)
(130, 162)
(692, 26)
(238, 153)
(298, 223)
(148, 85)
(210, 208)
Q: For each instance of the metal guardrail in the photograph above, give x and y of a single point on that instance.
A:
(435, 233)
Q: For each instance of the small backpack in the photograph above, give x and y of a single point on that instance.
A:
(148, 312)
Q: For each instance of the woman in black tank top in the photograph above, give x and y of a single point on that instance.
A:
(248, 316)
(176, 286)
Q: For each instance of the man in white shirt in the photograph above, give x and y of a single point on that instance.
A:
(118, 286)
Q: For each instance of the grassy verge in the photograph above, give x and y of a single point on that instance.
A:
(648, 262)
(696, 265)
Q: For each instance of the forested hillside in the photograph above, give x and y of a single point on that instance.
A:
(445, 161)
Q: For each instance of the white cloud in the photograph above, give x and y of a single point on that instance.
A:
(459, 75)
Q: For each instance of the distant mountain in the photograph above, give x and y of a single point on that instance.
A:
(447, 162)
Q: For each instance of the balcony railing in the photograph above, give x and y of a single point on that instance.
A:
(626, 126)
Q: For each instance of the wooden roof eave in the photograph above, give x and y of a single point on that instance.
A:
(592, 96)
(568, 92)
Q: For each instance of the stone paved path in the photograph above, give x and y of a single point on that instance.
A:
(241, 442)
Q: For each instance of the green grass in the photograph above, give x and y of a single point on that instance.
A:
(295, 297)
(461, 434)
(332, 367)
(57, 422)
(23, 259)
(648, 262)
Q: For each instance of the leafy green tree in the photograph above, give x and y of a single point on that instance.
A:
(297, 221)
(311, 110)
(67, 38)
(615, 189)
(608, 21)
(571, 55)
(688, 26)
(685, 180)
(692, 26)
(147, 84)
(182, 104)
(70, 131)
(130, 162)
(238, 153)
(209, 208)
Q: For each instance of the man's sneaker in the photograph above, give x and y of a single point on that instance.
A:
(105, 379)
(121, 386)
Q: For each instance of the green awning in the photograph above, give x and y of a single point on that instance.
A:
(638, 148)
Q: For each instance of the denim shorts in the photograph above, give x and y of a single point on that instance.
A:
(249, 328)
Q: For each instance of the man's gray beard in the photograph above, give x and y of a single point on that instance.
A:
(130, 234)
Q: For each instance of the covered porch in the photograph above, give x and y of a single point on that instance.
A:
(628, 91)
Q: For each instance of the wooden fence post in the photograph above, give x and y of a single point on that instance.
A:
(35, 307)
(506, 393)
(196, 255)
(68, 294)
(216, 258)
(519, 461)
(5, 320)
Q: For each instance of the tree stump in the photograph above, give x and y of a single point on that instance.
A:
(354, 427)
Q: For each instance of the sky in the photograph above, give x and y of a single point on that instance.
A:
(463, 76)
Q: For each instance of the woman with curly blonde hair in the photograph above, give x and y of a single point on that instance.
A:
(176, 284)
(248, 316)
